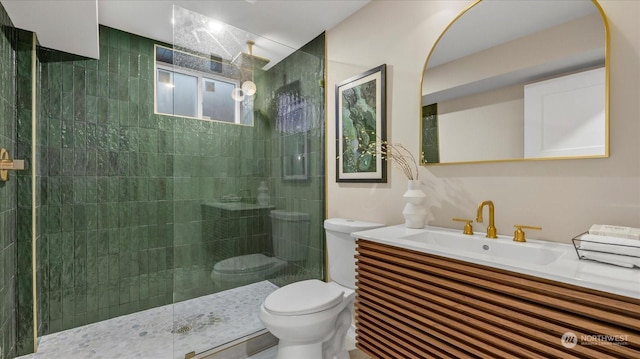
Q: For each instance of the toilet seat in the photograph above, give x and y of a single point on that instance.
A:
(245, 264)
(305, 297)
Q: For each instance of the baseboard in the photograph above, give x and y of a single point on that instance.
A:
(241, 348)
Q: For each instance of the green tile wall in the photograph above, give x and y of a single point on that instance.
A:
(24, 239)
(107, 192)
(8, 191)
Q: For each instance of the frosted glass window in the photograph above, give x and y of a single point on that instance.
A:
(217, 103)
(176, 93)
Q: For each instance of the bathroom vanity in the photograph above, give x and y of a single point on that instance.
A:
(435, 292)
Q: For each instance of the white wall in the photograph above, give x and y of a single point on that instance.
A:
(484, 126)
(563, 196)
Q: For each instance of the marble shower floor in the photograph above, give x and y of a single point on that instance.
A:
(200, 324)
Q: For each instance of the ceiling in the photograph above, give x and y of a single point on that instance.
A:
(492, 23)
(72, 25)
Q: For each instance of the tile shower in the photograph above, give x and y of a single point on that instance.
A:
(8, 206)
(119, 189)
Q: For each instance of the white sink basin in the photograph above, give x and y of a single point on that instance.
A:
(494, 249)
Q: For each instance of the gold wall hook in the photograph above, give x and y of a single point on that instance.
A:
(7, 164)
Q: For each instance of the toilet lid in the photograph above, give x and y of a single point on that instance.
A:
(305, 297)
(245, 264)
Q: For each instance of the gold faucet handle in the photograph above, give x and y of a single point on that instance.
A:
(518, 235)
(468, 228)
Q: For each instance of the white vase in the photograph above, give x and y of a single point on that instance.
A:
(414, 212)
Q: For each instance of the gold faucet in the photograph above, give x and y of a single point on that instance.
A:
(468, 228)
(491, 229)
(518, 235)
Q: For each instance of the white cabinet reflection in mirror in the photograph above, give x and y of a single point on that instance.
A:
(564, 116)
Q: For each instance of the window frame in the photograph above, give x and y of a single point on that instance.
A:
(200, 76)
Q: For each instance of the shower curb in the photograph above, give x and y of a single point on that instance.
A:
(241, 348)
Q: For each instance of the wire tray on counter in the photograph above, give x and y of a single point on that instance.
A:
(611, 253)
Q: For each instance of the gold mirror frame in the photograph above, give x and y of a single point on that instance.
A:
(605, 24)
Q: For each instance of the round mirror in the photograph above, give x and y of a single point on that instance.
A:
(517, 80)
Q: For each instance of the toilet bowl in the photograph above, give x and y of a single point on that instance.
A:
(289, 237)
(242, 270)
(304, 315)
(311, 318)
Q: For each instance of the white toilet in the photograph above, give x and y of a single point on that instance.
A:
(289, 237)
(311, 317)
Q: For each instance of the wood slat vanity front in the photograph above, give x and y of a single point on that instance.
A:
(414, 305)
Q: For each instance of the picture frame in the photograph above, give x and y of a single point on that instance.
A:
(361, 127)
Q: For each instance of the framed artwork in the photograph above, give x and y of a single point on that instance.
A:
(361, 122)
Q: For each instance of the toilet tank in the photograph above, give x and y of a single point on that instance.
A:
(290, 234)
(341, 248)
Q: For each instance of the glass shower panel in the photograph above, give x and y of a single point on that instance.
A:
(231, 249)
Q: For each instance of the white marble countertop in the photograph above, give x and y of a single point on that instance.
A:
(567, 268)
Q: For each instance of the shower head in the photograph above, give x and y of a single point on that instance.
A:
(249, 60)
(244, 60)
